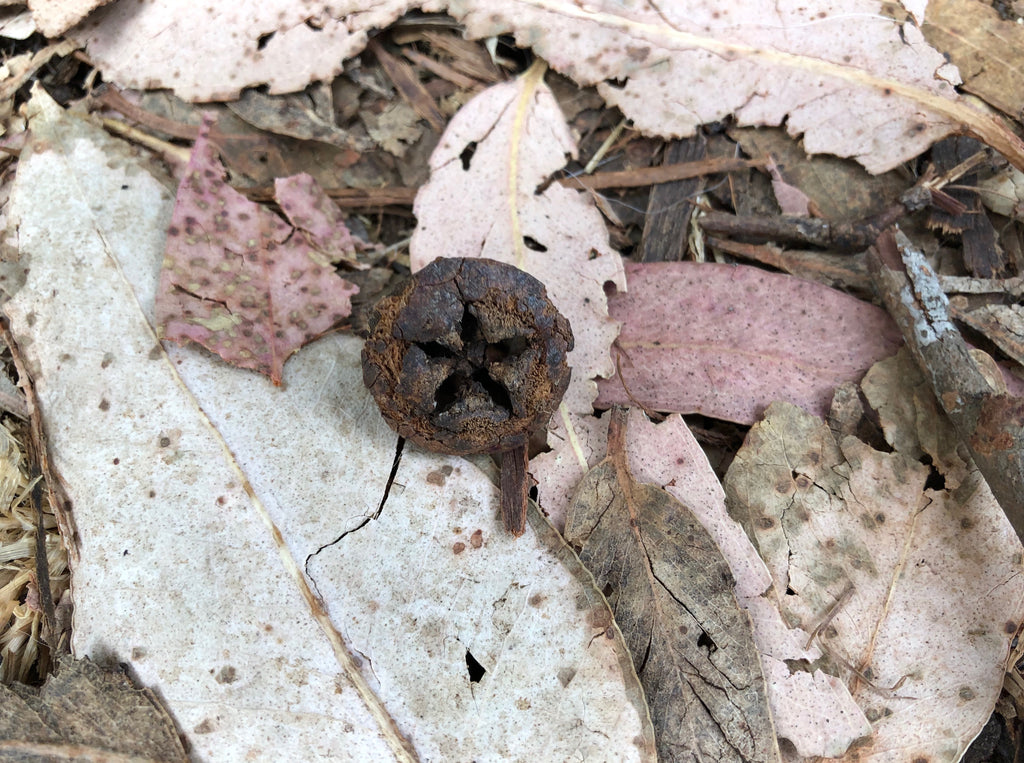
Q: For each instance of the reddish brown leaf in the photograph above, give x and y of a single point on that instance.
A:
(726, 340)
(237, 279)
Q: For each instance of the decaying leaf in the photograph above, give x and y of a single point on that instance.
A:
(317, 219)
(672, 594)
(911, 591)
(84, 711)
(667, 454)
(987, 49)
(854, 81)
(726, 340)
(840, 189)
(237, 280)
(234, 572)
(913, 422)
(305, 116)
(1003, 324)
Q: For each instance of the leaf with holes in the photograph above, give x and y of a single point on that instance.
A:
(910, 589)
(237, 279)
(672, 594)
(484, 200)
(853, 81)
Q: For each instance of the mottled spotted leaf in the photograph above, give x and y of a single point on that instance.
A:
(239, 280)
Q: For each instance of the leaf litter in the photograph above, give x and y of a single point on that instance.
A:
(581, 442)
(672, 595)
(724, 340)
(196, 536)
(911, 591)
(699, 62)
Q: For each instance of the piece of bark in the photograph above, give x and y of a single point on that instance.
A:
(515, 486)
(842, 271)
(990, 424)
(982, 257)
(408, 86)
(669, 206)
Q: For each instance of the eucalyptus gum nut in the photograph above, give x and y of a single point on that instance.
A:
(468, 356)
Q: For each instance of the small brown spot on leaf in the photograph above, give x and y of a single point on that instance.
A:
(104, 404)
(476, 540)
(765, 523)
(599, 617)
(458, 547)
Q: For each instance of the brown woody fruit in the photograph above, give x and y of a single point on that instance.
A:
(469, 356)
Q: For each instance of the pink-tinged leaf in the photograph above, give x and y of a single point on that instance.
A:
(726, 340)
(318, 218)
(236, 280)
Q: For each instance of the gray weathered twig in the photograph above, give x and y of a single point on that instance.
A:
(989, 423)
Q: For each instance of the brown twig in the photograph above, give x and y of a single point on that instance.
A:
(404, 196)
(808, 231)
(408, 85)
(665, 173)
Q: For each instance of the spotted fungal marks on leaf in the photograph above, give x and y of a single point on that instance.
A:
(239, 280)
(469, 356)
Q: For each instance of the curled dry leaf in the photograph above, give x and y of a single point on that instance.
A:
(235, 278)
(852, 80)
(672, 594)
(726, 340)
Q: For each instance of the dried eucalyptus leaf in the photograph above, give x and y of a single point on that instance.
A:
(672, 594)
(89, 708)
